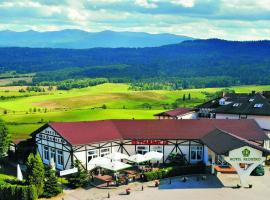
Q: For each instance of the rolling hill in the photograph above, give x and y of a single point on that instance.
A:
(223, 62)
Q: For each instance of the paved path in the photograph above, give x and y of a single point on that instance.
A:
(212, 189)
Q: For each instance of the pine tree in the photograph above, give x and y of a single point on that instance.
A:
(78, 179)
(35, 172)
(51, 185)
(4, 139)
(184, 97)
(189, 96)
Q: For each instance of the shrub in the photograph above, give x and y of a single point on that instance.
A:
(173, 171)
(78, 179)
(258, 171)
(18, 192)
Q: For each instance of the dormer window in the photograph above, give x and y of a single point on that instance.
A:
(250, 100)
(258, 105)
(236, 104)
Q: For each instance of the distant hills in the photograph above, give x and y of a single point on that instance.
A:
(78, 39)
(220, 62)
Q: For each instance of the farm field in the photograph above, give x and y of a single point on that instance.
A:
(26, 111)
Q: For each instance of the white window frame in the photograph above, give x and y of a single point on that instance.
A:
(53, 154)
(46, 153)
(156, 148)
(197, 150)
(60, 158)
(104, 151)
(92, 154)
(142, 149)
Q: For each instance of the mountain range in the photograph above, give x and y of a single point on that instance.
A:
(223, 62)
(79, 39)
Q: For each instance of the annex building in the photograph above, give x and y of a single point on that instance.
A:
(205, 140)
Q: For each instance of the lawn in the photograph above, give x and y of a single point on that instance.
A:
(29, 110)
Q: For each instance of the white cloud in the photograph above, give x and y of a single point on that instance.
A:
(184, 3)
(146, 3)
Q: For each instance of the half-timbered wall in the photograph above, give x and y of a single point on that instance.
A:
(51, 145)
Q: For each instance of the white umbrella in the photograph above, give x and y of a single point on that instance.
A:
(116, 156)
(19, 173)
(96, 162)
(153, 155)
(138, 158)
(115, 166)
(99, 161)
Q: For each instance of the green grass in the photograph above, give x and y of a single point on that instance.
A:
(82, 104)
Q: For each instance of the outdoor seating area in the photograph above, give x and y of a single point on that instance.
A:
(117, 169)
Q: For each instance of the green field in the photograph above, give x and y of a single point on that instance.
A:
(27, 111)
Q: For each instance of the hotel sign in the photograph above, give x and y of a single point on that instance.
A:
(149, 142)
(245, 155)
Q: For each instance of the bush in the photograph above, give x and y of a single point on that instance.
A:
(258, 171)
(18, 192)
(173, 171)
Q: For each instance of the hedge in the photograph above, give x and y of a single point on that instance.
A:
(17, 192)
(173, 171)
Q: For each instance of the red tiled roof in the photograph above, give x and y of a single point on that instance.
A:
(99, 131)
(176, 112)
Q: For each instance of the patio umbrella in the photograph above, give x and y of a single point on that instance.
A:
(153, 155)
(138, 158)
(116, 156)
(115, 166)
(96, 162)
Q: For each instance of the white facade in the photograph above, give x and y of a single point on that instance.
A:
(51, 145)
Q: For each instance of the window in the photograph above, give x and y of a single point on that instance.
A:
(46, 153)
(258, 105)
(157, 148)
(92, 154)
(53, 156)
(60, 159)
(142, 149)
(250, 100)
(104, 152)
(196, 153)
(236, 104)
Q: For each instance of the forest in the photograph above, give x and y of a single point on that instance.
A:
(190, 64)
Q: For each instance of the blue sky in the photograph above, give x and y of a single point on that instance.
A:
(227, 19)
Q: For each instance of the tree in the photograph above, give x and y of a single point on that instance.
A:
(51, 185)
(184, 97)
(78, 179)
(189, 96)
(104, 106)
(5, 139)
(35, 172)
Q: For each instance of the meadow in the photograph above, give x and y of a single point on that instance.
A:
(26, 111)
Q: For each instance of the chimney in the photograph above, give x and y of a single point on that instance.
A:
(253, 92)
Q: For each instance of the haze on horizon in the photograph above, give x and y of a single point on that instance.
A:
(225, 19)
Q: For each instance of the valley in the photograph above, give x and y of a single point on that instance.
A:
(26, 111)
